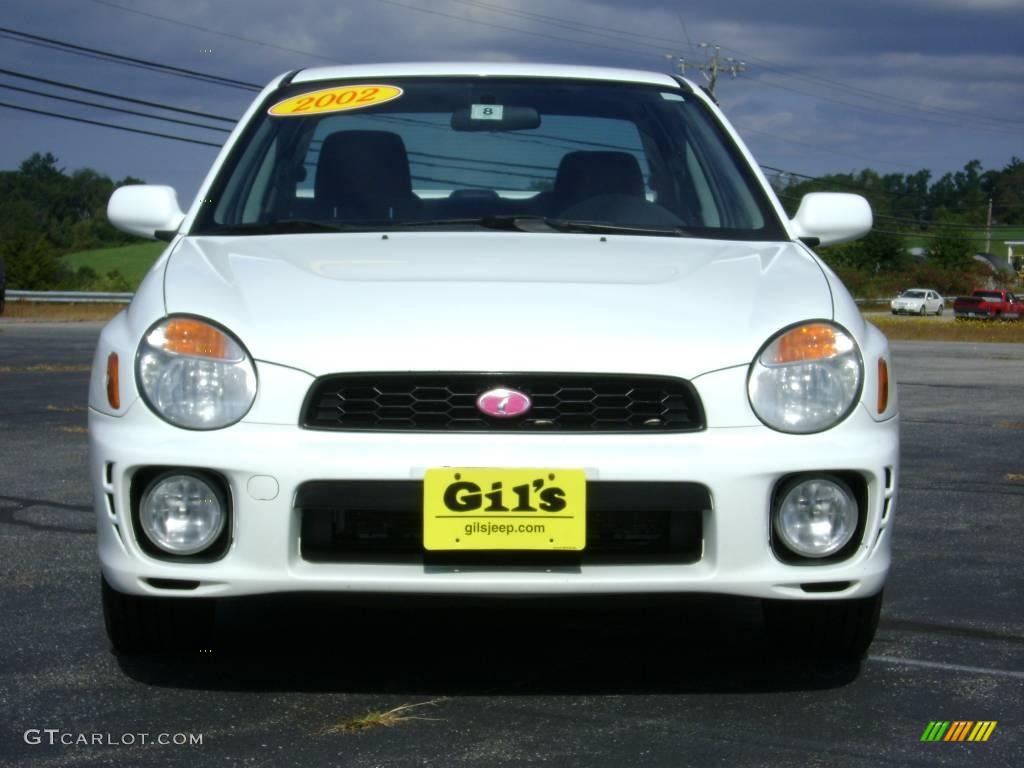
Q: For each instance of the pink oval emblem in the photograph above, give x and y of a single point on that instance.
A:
(503, 403)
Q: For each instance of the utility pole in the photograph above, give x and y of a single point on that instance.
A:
(713, 66)
(988, 229)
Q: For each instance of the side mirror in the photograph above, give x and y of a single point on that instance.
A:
(832, 217)
(147, 210)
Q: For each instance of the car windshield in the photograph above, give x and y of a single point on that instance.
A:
(912, 295)
(470, 153)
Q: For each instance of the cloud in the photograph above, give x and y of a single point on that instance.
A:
(854, 81)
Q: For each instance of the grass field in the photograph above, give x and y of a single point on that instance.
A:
(60, 313)
(929, 329)
(977, 239)
(132, 261)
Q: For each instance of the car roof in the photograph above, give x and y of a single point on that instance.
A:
(484, 69)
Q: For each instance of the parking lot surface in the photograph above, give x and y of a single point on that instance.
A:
(309, 680)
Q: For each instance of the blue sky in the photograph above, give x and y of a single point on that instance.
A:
(831, 85)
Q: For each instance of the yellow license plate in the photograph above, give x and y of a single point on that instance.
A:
(526, 509)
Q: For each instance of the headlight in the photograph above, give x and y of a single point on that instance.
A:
(806, 379)
(195, 375)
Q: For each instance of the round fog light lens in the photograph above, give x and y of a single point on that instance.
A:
(182, 514)
(817, 517)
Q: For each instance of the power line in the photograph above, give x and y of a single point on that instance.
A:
(108, 95)
(929, 224)
(852, 186)
(598, 31)
(518, 30)
(874, 110)
(580, 26)
(113, 109)
(766, 64)
(926, 237)
(49, 42)
(818, 147)
(109, 125)
(263, 43)
(712, 66)
(866, 93)
(686, 32)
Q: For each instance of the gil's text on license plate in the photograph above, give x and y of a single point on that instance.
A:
(508, 509)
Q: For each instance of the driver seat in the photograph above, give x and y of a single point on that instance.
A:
(365, 175)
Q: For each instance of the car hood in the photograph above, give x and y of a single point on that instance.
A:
(493, 301)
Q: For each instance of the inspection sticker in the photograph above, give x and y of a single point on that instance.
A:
(486, 112)
(335, 100)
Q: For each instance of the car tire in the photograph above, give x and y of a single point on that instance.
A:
(938, 312)
(137, 624)
(895, 312)
(923, 308)
(830, 630)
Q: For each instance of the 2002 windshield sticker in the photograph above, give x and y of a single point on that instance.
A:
(335, 100)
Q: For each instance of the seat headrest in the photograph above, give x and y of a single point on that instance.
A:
(586, 174)
(365, 166)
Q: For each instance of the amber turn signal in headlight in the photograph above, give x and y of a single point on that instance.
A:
(815, 341)
(186, 336)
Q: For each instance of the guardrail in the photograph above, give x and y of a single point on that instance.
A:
(91, 297)
(70, 297)
(945, 300)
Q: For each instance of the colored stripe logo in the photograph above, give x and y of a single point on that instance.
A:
(959, 730)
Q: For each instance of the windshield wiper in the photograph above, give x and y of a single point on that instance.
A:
(580, 225)
(280, 227)
(489, 222)
(509, 223)
(527, 223)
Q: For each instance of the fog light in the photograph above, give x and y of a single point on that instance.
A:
(182, 514)
(816, 516)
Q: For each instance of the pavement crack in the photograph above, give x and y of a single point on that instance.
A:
(18, 504)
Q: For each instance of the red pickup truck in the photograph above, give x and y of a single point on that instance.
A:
(989, 304)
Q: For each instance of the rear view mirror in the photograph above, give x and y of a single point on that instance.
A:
(147, 210)
(832, 217)
(495, 117)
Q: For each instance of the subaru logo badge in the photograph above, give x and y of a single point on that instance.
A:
(503, 403)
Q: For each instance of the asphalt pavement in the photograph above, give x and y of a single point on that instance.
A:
(625, 682)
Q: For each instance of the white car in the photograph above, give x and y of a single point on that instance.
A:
(917, 301)
(497, 330)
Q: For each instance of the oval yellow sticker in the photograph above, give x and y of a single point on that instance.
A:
(335, 100)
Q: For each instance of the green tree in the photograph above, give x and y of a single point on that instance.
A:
(951, 249)
(879, 251)
(47, 213)
(31, 264)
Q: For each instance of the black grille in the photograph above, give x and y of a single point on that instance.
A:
(381, 521)
(569, 402)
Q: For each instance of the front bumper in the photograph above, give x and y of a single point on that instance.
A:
(265, 464)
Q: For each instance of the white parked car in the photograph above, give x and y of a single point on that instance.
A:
(917, 301)
(473, 329)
